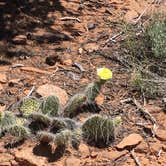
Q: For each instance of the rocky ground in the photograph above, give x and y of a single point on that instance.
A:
(62, 43)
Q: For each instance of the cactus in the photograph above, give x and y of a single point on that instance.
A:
(28, 106)
(39, 121)
(76, 138)
(93, 90)
(21, 121)
(74, 103)
(39, 117)
(45, 137)
(99, 130)
(18, 131)
(71, 124)
(50, 105)
(6, 119)
(57, 125)
(62, 138)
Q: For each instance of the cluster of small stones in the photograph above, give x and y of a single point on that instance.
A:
(46, 120)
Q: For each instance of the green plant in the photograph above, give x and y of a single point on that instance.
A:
(18, 131)
(7, 119)
(93, 89)
(62, 138)
(157, 35)
(29, 105)
(73, 104)
(98, 130)
(50, 105)
(57, 124)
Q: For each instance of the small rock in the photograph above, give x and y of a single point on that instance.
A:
(100, 99)
(68, 62)
(80, 50)
(131, 140)
(161, 134)
(5, 157)
(142, 147)
(1, 87)
(72, 161)
(2, 108)
(91, 47)
(114, 155)
(19, 39)
(25, 156)
(84, 150)
(3, 78)
(155, 147)
(7, 163)
(49, 89)
(94, 154)
(91, 26)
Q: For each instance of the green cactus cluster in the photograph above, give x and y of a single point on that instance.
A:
(47, 121)
(98, 130)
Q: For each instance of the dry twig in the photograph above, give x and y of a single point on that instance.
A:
(135, 158)
(70, 18)
(144, 111)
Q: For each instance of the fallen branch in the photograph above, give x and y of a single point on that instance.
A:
(33, 69)
(135, 158)
(70, 18)
(144, 111)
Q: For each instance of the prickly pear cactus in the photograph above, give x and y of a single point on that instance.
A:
(39, 117)
(57, 125)
(62, 138)
(74, 103)
(76, 138)
(93, 90)
(19, 131)
(50, 105)
(6, 119)
(28, 106)
(98, 130)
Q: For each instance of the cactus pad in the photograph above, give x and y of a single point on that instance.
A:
(99, 130)
(62, 138)
(74, 103)
(50, 105)
(19, 131)
(29, 105)
(7, 119)
(93, 90)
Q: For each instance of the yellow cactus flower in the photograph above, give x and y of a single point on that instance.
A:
(104, 73)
